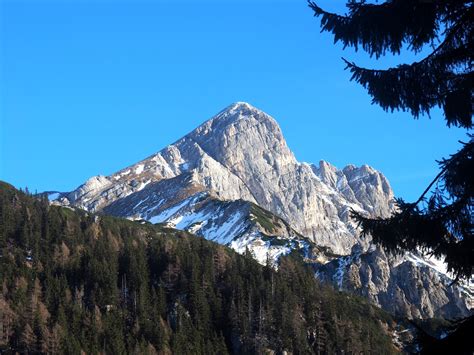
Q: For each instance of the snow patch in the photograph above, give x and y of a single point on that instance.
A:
(262, 250)
(430, 261)
(143, 185)
(225, 232)
(163, 216)
(343, 263)
(139, 169)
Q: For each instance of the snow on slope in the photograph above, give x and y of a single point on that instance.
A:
(238, 224)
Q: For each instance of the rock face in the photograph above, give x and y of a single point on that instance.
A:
(407, 285)
(241, 154)
(215, 181)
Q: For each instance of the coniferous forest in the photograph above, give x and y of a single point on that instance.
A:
(75, 282)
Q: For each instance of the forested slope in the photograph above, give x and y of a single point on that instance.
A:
(73, 281)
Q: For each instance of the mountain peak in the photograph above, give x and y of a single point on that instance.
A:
(241, 153)
(240, 105)
(238, 111)
(242, 134)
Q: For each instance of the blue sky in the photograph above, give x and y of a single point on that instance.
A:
(89, 87)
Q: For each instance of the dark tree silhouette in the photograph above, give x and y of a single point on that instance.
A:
(443, 78)
(440, 223)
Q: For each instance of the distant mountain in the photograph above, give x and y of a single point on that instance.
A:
(241, 154)
(235, 181)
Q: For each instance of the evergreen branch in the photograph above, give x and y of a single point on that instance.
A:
(318, 11)
(383, 27)
(419, 88)
(443, 78)
(441, 173)
(452, 34)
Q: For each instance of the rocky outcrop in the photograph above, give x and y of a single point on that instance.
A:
(404, 285)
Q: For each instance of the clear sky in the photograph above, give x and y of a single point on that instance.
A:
(89, 87)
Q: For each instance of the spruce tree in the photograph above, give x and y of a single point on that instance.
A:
(443, 78)
(440, 222)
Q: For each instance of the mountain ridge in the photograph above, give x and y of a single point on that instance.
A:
(259, 167)
(240, 154)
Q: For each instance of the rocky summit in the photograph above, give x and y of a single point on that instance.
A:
(234, 180)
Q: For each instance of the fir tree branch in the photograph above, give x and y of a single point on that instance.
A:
(431, 185)
(452, 34)
(382, 27)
